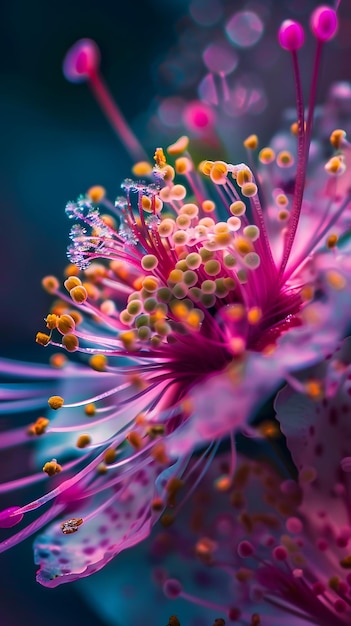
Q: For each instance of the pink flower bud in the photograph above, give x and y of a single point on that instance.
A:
(291, 35)
(324, 23)
(81, 61)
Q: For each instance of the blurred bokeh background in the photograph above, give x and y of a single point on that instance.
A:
(156, 57)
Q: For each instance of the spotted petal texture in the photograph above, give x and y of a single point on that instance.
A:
(318, 435)
(117, 521)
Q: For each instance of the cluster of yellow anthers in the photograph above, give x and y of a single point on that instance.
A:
(197, 262)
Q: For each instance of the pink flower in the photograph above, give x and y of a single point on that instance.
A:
(193, 302)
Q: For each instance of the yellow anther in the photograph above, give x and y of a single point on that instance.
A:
(254, 315)
(243, 176)
(179, 310)
(332, 240)
(135, 440)
(294, 128)
(251, 142)
(96, 271)
(190, 209)
(98, 362)
(156, 430)
(178, 192)
(128, 339)
(162, 328)
(269, 429)
(242, 276)
(146, 204)
(193, 260)
(307, 293)
(229, 260)
(55, 402)
(266, 155)
(110, 456)
(249, 190)
(70, 342)
(212, 267)
(229, 283)
(42, 338)
(158, 453)
(175, 276)
(237, 345)
(219, 172)
(223, 238)
(134, 307)
(208, 206)
(83, 441)
(221, 227)
(183, 221)
(205, 167)
(237, 208)
(78, 294)
(39, 427)
(51, 321)
(108, 307)
(90, 409)
(285, 158)
(283, 216)
(92, 291)
(150, 283)
(183, 165)
(208, 222)
(58, 360)
(142, 168)
(71, 270)
(314, 389)
(243, 246)
(110, 222)
(126, 318)
(166, 227)
(96, 193)
(252, 232)
(71, 282)
(50, 284)
(66, 324)
(337, 138)
(149, 262)
(159, 158)
(59, 307)
(235, 312)
(208, 286)
(335, 280)
(179, 146)
(281, 199)
(52, 467)
(223, 483)
(194, 318)
(335, 166)
(167, 173)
